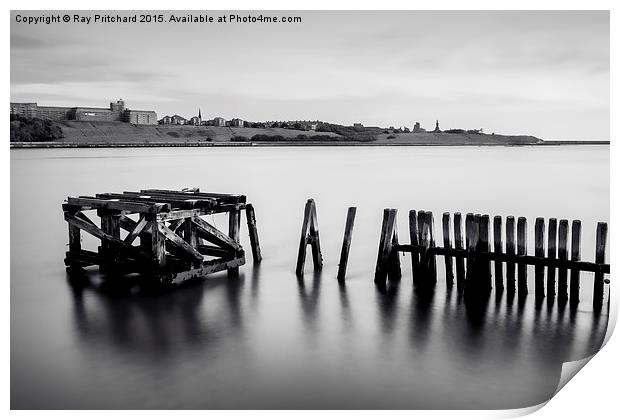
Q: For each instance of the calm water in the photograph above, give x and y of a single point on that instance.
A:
(267, 340)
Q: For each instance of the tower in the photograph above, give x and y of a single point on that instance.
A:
(199, 117)
(437, 130)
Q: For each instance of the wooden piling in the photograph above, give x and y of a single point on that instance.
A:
(563, 256)
(234, 224)
(498, 249)
(510, 251)
(250, 216)
(575, 256)
(484, 246)
(385, 246)
(458, 244)
(539, 251)
(414, 237)
(552, 254)
(394, 271)
(471, 235)
(447, 243)
(522, 250)
(346, 244)
(599, 278)
(309, 236)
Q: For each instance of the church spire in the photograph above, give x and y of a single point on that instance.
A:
(199, 115)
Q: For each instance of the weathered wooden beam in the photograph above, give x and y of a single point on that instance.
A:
(385, 246)
(205, 269)
(563, 256)
(315, 243)
(234, 222)
(522, 250)
(539, 251)
(158, 248)
(346, 244)
(136, 231)
(414, 238)
(484, 247)
(599, 279)
(214, 251)
(428, 262)
(213, 235)
(510, 250)
(458, 244)
(394, 271)
(87, 203)
(447, 243)
(498, 249)
(181, 214)
(472, 238)
(253, 233)
(575, 256)
(179, 242)
(232, 197)
(303, 240)
(551, 254)
(174, 202)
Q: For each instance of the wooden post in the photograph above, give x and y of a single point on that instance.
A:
(385, 246)
(575, 250)
(190, 236)
(484, 246)
(414, 238)
(309, 235)
(253, 233)
(498, 249)
(428, 241)
(539, 251)
(552, 254)
(458, 244)
(158, 247)
(394, 271)
(447, 243)
(563, 256)
(472, 233)
(599, 279)
(346, 244)
(315, 243)
(522, 250)
(469, 218)
(510, 251)
(234, 224)
(110, 224)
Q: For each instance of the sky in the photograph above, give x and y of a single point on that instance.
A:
(544, 73)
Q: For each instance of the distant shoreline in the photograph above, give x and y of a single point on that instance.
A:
(71, 145)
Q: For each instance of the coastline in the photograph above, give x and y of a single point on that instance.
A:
(73, 145)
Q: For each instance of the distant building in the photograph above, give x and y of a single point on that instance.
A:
(358, 125)
(196, 120)
(437, 130)
(417, 128)
(115, 112)
(219, 122)
(178, 120)
(166, 120)
(236, 122)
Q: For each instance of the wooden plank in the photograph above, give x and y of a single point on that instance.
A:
(510, 250)
(563, 256)
(575, 256)
(498, 249)
(213, 235)
(346, 244)
(181, 214)
(234, 221)
(174, 202)
(303, 241)
(447, 243)
(136, 231)
(484, 246)
(250, 216)
(238, 198)
(179, 242)
(458, 244)
(539, 251)
(385, 246)
(130, 206)
(205, 269)
(599, 279)
(522, 250)
(552, 254)
(214, 251)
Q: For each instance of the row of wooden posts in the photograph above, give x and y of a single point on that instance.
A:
(468, 257)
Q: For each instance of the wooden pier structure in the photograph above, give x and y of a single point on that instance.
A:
(470, 261)
(175, 242)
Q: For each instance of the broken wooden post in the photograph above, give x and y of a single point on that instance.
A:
(234, 224)
(498, 249)
(428, 262)
(309, 236)
(484, 247)
(599, 278)
(575, 250)
(458, 244)
(539, 251)
(510, 252)
(472, 238)
(447, 244)
(414, 237)
(346, 243)
(253, 233)
(551, 254)
(385, 246)
(563, 256)
(191, 237)
(522, 250)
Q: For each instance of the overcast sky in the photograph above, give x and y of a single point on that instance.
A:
(540, 73)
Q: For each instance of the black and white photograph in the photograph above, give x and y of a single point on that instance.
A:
(275, 209)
